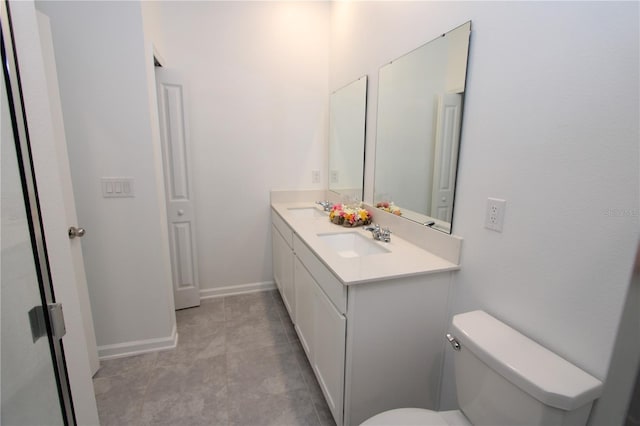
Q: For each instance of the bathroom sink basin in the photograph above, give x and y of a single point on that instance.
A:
(352, 244)
(308, 212)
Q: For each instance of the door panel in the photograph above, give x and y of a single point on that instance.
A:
(283, 271)
(446, 155)
(181, 238)
(175, 154)
(304, 307)
(173, 97)
(277, 253)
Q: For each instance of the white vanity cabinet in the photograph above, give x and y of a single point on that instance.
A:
(282, 248)
(374, 345)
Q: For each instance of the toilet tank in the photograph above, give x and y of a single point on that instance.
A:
(505, 378)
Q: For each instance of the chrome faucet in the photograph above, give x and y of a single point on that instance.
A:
(380, 234)
(326, 205)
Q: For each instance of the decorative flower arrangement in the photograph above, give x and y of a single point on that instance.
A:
(349, 216)
(389, 207)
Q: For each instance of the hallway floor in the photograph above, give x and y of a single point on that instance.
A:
(238, 362)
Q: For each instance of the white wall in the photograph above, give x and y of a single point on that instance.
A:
(550, 125)
(258, 99)
(100, 54)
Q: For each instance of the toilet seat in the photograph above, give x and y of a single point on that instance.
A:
(417, 417)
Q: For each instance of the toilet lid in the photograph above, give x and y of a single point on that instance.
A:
(406, 417)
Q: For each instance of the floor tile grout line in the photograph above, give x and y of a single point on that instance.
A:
(226, 362)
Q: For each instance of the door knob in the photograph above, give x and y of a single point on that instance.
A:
(180, 212)
(76, 232)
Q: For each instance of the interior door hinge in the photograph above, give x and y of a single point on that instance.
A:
(57, 320)
(38, 323)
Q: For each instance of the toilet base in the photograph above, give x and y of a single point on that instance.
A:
(417, 417)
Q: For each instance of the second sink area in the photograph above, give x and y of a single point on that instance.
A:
(307, 212)
(352, 244)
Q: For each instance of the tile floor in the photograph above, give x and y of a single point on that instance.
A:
(238, 362)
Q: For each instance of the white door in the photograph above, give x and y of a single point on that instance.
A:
(179, 192)
(445, 157)
(66, 187)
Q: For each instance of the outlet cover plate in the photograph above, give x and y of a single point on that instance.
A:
(494, 218)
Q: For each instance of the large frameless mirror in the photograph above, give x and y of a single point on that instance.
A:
(420, 100)
(348, 106)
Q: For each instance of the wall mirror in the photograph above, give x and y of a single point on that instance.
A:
(347, 112)
(420, 100)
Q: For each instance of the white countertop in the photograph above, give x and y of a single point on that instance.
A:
(403, 259)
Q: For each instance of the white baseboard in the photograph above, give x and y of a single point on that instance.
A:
(209, 293)
(121, 350)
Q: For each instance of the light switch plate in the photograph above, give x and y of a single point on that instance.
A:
(113, 187)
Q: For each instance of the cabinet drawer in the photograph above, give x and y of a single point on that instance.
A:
(332, 287)
(282, 227)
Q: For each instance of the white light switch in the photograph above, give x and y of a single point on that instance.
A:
(117, 187)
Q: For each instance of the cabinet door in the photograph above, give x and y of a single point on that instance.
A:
(283, 270)
(288, 287)
(304, 307)
(329, 352)
(276, 250)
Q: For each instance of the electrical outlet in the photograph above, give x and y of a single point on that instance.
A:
(315, 176)
(495, 214)
(335, 177)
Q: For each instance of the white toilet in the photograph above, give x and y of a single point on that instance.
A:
(505, 378)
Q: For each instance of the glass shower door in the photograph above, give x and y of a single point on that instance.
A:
(29, 388)
(34, 386)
